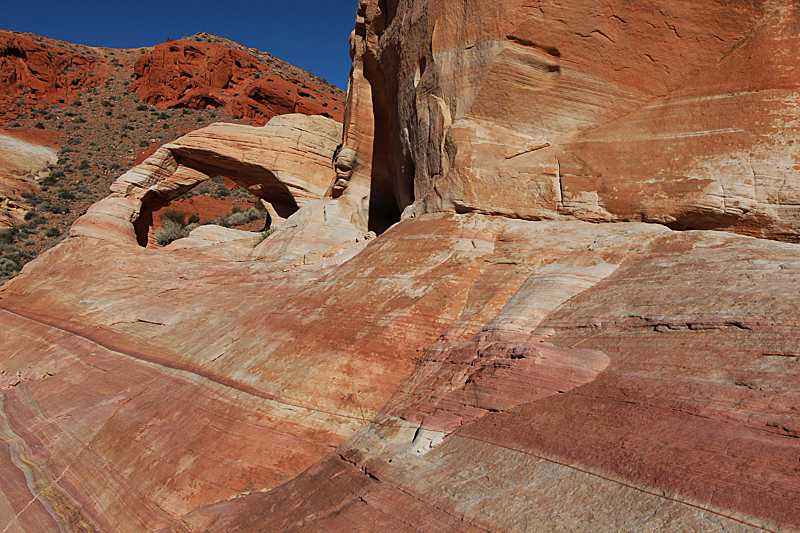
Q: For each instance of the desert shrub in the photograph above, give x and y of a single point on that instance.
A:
(64, 194)
(236, 219)
(8, 266)
(7, 236)
(220, 191)
(170, 231)
(52, 232)
(242, 217)
(39, 125)
(194, 219)
(263, 236)
(173, 215)
(141, 107)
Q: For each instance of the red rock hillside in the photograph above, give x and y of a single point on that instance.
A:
(36, 73)
(201, 75)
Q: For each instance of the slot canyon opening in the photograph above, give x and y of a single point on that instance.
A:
(250, 201)
(386, 201)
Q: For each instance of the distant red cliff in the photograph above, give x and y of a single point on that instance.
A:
(202, 75)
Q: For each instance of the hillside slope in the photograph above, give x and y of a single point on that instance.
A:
(103, 110)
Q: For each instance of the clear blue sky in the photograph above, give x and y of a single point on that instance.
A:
(310, 34)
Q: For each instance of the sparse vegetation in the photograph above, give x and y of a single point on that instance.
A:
(242, 217)
(170, 231)
(102, 131)
(263, 236)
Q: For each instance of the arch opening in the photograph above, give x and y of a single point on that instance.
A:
(243, 198)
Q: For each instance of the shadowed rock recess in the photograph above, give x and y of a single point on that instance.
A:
(484, 312)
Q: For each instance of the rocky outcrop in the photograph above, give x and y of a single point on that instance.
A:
(22, 161)
(627, 113)
(285, 163)
(200, 75)
(502, 358)
(34, 73)
(501, 374)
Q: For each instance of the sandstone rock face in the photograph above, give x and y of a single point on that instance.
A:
(629, 112)
(500, 359)
(487, 374)
(639, 394)
(200, 75)
(21, 162)
(286, 163)
(36, 74)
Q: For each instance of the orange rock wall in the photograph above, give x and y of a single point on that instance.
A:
(622, 112)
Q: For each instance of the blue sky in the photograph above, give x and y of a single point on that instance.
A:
(310, 34)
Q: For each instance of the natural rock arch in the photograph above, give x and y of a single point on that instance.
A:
(285, 163)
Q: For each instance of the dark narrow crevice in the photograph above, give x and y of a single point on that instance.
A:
(384, 209)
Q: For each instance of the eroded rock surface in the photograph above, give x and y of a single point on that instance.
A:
(33, 73)
(285, 163)
(682, 114)
(21, 162)
(191, 74)
(501, 359)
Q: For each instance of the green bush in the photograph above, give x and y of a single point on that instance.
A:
(64, 194)
(194, 219)
(173, 215)
(7, 235)
(52, 232)
(263, 236)
(7, 266)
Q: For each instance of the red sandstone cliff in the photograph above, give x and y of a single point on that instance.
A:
(35, 73)
(203, 75)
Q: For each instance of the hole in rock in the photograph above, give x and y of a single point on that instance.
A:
(244, 199)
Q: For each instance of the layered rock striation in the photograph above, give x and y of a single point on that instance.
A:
(681, 114)
(448, 333)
